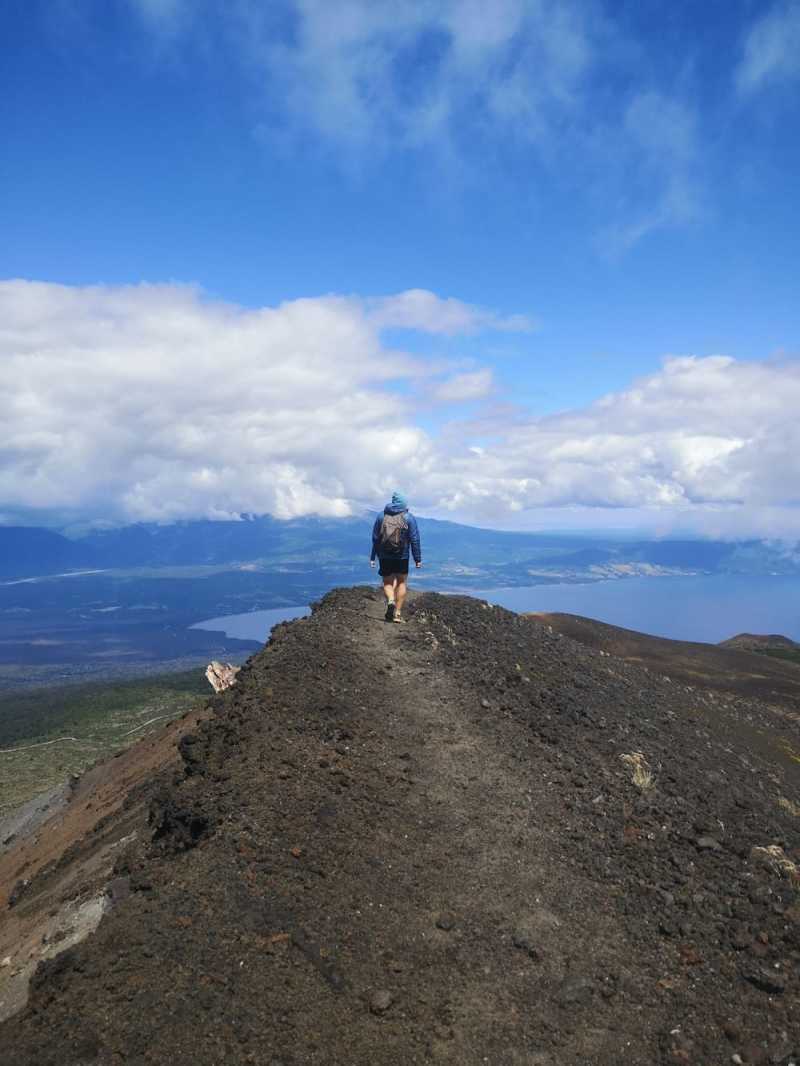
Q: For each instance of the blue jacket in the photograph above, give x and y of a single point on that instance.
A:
(410, 539)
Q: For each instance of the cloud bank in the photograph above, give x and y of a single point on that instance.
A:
(151, 402)
(701, 434)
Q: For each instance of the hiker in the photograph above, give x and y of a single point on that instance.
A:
(394, 533)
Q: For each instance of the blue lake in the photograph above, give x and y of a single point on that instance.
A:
(707, 609)
(686, 608)
(253, 625)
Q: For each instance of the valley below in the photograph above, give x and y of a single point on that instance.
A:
(122, 602)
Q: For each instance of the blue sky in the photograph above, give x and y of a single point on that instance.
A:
(620, 177)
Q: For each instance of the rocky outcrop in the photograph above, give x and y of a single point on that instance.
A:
(221, 675)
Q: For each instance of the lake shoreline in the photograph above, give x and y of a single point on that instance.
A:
(704, 608)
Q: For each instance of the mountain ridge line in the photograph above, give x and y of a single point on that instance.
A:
(392, 844)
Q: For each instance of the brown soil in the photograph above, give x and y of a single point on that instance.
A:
(409, 844)
(725, 667)
(65, 861)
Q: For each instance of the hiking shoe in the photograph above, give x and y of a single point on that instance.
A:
(390, 612)
(397, 618)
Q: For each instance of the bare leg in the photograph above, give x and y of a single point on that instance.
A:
(400, 593)
(388, 588)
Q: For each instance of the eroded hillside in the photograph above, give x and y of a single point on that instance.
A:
(421, 843)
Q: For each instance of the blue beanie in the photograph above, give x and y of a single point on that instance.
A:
(399, 500)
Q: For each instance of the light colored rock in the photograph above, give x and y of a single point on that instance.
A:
(777, 860)
(71, 924)
(221, 675)
(380, 1001)
(22, 822)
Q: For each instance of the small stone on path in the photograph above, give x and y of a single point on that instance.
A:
(523, 939)
(575, 991)
(708, 844)
(380, 1001)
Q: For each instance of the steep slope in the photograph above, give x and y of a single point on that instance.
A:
(408, 844)
(727, 667)
(57, 858)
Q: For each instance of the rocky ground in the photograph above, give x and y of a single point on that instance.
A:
(730, 667)
(57, 856)
(421, 843)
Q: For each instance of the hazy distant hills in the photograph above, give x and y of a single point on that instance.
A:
(773, 644)
(30, 551)
(27, 550)
(760, 642)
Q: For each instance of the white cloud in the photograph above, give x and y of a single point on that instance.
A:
(152, 402)
(771, 48)
(463, 388)
(661, 155)
(375, 73)
(419, 309)
(701, 436)
(525, 92)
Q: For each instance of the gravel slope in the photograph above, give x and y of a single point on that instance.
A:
(410, 844)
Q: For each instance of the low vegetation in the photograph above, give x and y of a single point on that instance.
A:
(641, 772)
(47, 734)
(791, 655)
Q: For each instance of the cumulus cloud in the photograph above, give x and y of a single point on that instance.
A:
(700, 437)
(151, 402)
(771, 48)
(461, 388)
(419, 309)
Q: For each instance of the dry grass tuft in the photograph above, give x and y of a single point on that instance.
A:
(776, 860)
(642, 773)
(789, 806)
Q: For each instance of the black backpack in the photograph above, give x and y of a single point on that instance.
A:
(391, 539)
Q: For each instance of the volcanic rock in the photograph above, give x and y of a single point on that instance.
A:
(285, 878)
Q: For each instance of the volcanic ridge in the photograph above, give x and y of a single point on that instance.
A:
(467, 839)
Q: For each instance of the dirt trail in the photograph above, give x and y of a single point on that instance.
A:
(412, 844)
(483, 839)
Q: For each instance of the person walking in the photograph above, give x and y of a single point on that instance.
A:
(395, 536)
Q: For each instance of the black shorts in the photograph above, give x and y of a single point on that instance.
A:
(390, 567)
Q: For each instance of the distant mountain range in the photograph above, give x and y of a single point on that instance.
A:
(457, 550)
